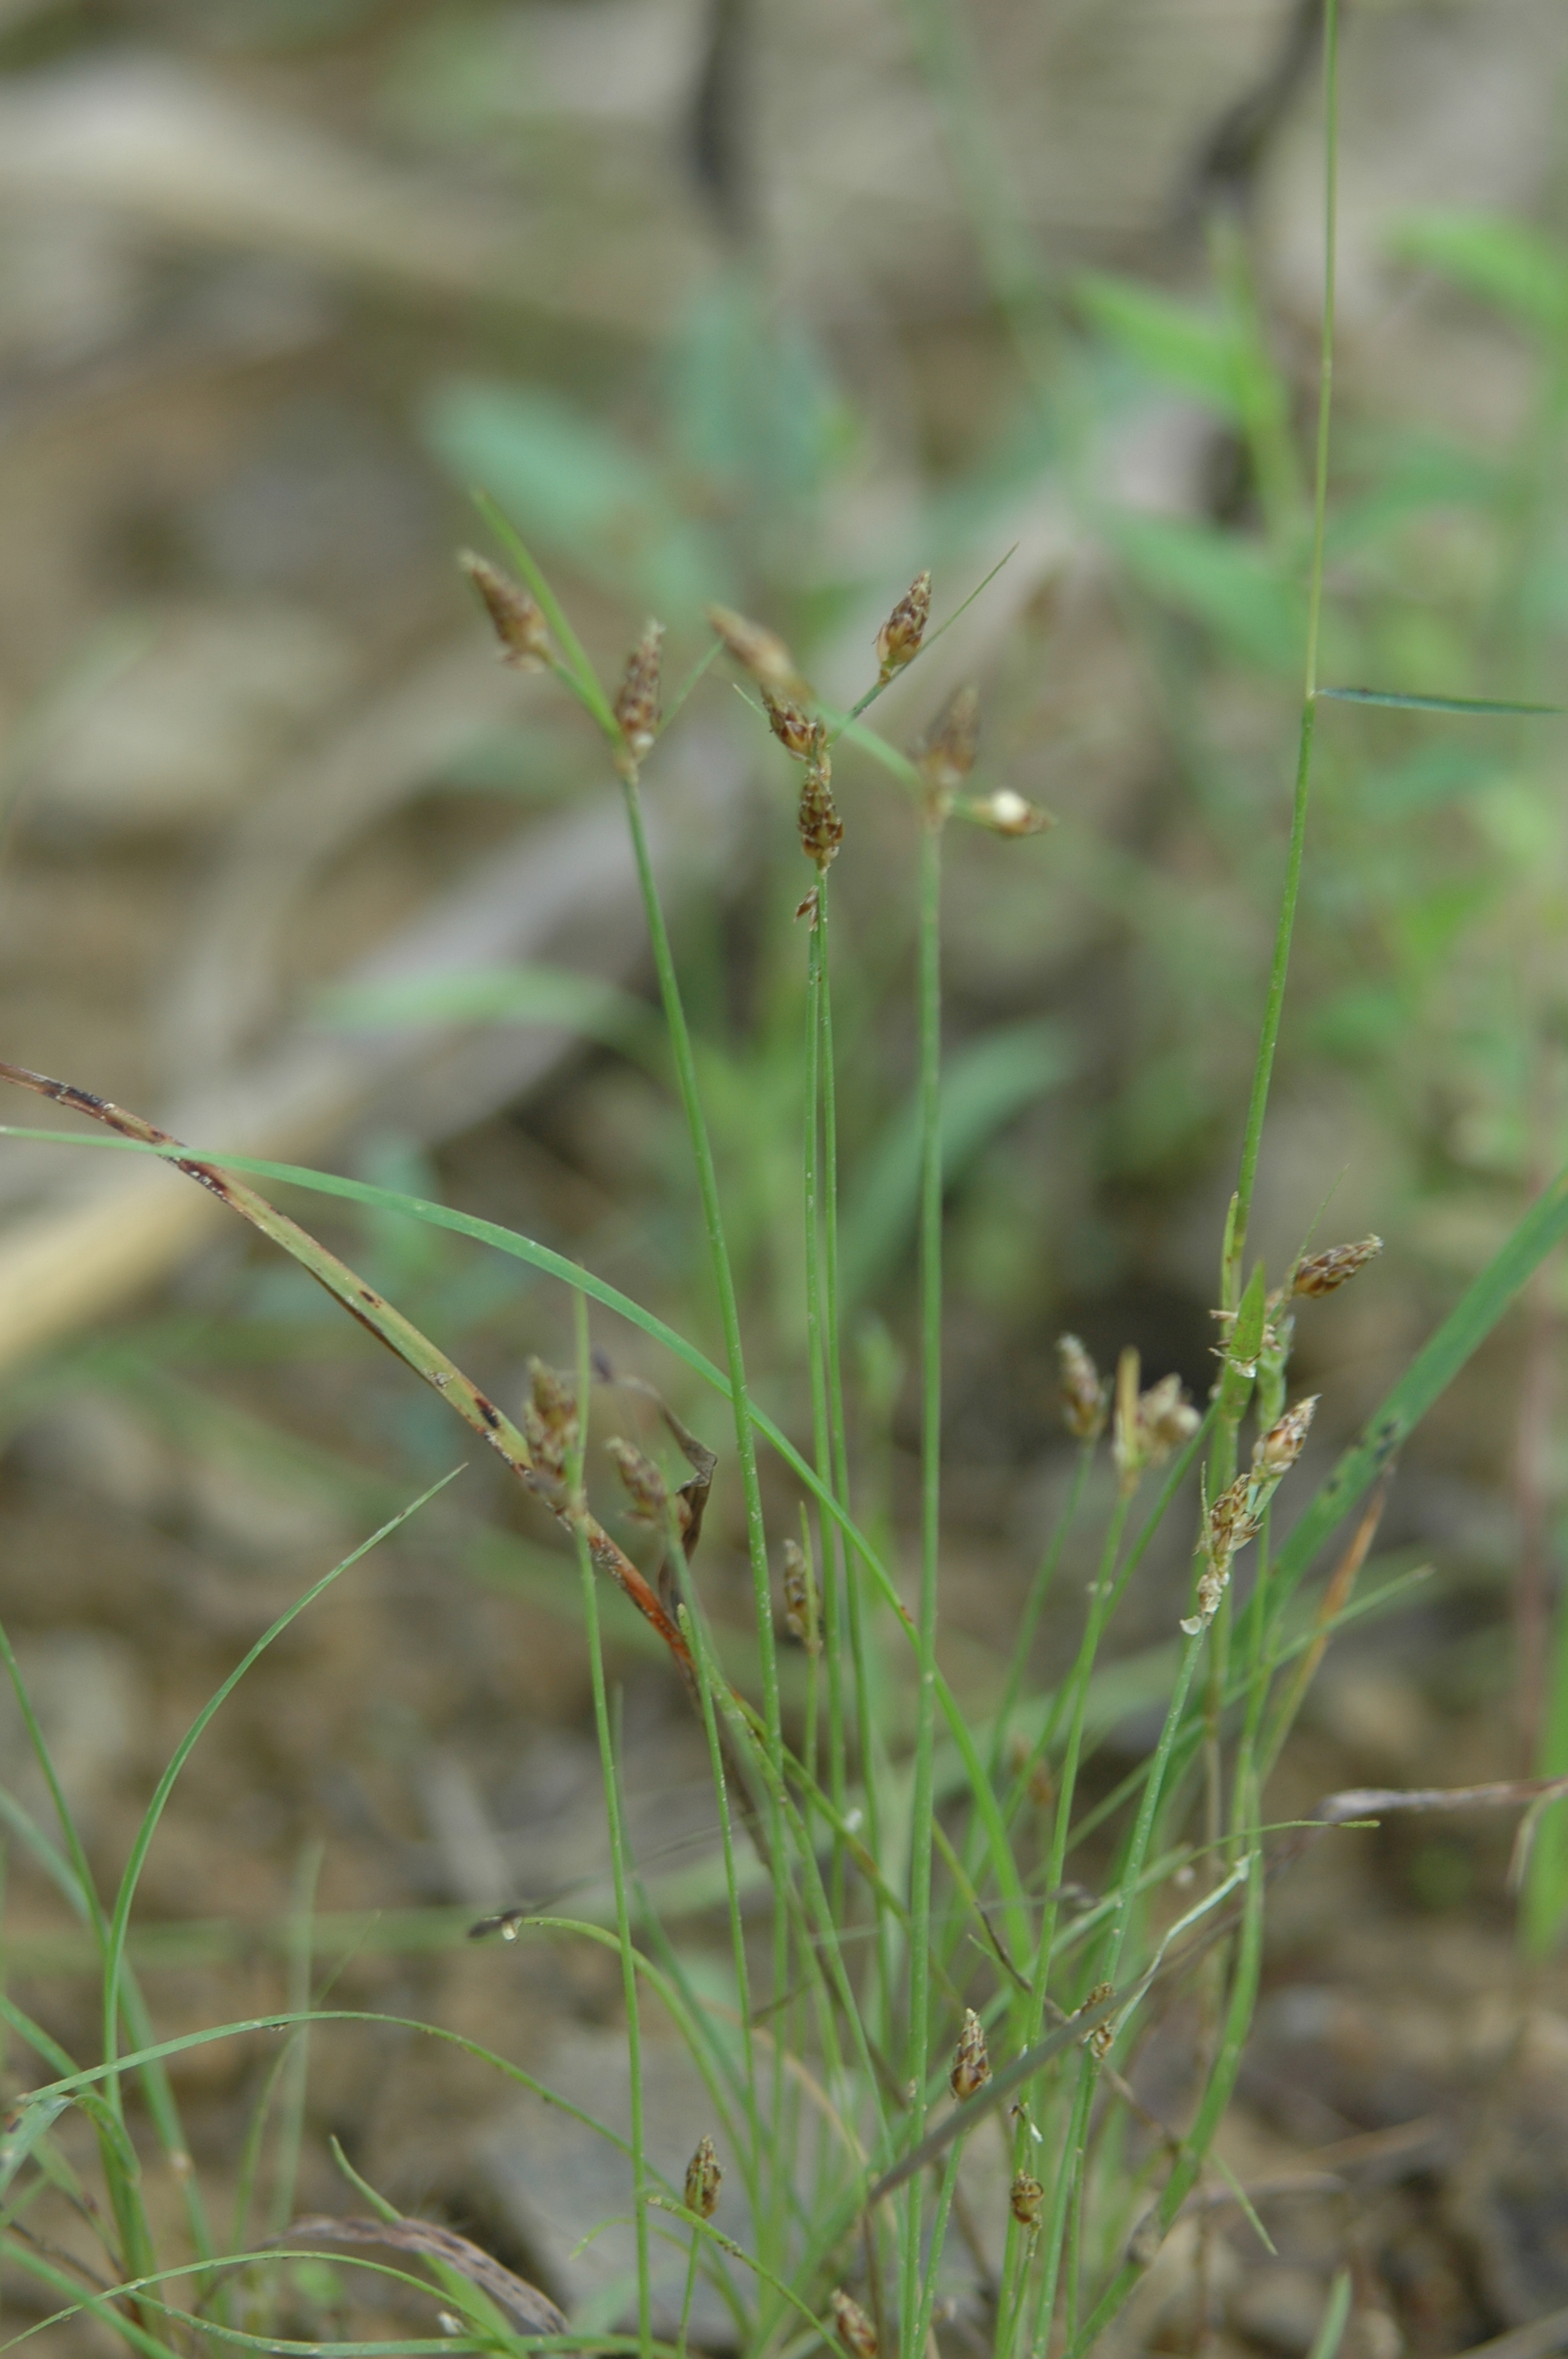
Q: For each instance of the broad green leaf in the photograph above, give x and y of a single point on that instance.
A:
(1217, 580)
(579, 493)
(983, 1086)
(500, 994)
(1503, 261)
(1183, 344)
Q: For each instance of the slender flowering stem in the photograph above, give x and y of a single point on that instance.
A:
(1274, 1006)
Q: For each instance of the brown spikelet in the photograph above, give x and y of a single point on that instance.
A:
(518, 619)
(645, 1486)
(760, 652)
(1084, 1393)
(1026, 2198)
(703, 2180)
(856, 2332)
(898, 641)
(821, 829)
(637, 698)
(1278, 1450)
(800, 1597)
(947, 755)
(972, 2060)
(790, 725)
(1323, 1273)
(549, 1419)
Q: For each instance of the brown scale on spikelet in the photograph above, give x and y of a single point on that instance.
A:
(821, 829)
(1026, 2198)
(637, 698)
(1323, 1273)
(1278, 1450)
(518, 619)
(703, 2180)
(1102, 2039)
(1234, 1518)
(761, 653)
(549, 1419)
(971, 2059)
(645, 1486)
(856, 2332)
(947, 754)
(790, 725)
(1149, 1425)
(1084, 1393)
(898, 641)
(800, 1598)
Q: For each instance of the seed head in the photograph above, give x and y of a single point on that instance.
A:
(637, 699)
(1322, 1273)
(1084, 1394)
(856, 2332)
(971, 2059)
(1027, 2198)
(549, 1419)
(761, 653)
(518, 620)
(645, 1486)
(703, 2180)
(794, 727)
(1006, 812)
(1278, 1450)
(800, 1598)
(821, 829)
(898, 641)
(1040, 1786)
(947, 755)
(1166, 1419)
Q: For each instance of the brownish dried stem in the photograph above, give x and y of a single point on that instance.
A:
(389, 1326)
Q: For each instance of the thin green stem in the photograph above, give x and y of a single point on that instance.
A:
(617, 1833)
(921, 1846)
(1258, 1103)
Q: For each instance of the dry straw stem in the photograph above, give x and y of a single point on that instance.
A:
(401, 1337)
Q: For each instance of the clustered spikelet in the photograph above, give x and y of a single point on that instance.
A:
(898, 641)
(947, 755)
(856, 2332)
(1151, 1425)
(758, 651)
(800, 1598)
(703, 2180)
(1039, 1784)
(971, 2059)
(549, 1419)
(794, 727)
(1084, 1393)
(1323, 1273)
(518, 619)
(821, 829)
(1233, 1517)
(1102, 2039)
(637, 698)
(645, 1486)
(1026, 2197)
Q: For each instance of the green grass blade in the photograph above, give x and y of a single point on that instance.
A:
(114, 1956)
(1485, 706)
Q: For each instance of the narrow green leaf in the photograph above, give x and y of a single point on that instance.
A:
(1330, 2335)
(1397, 702)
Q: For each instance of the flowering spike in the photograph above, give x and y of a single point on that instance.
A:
(800, 1598)
(761, 653)
(856, 2332)
(1083, 1392)
(972, 2060)
(637, 699)
(947, 755)
(645, 1486)
(1322, 1273)
(1026, 2198)
(898, 641)
(790, 725)
(518, 620)
(821, 829)
(703, 2180)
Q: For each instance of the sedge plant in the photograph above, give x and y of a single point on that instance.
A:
(915, 2049)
